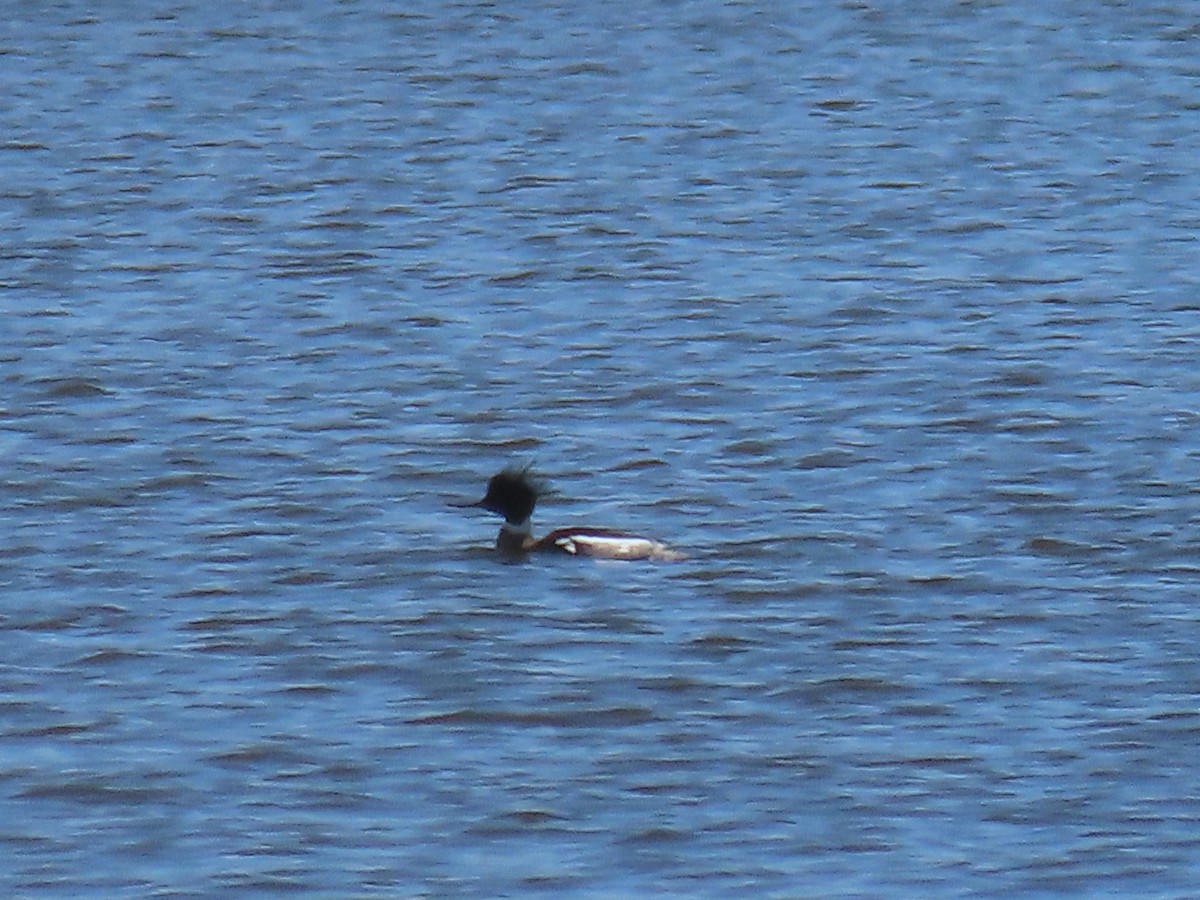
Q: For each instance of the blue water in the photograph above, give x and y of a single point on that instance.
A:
(886, 314)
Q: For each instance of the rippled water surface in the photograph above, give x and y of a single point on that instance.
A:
(886, 314)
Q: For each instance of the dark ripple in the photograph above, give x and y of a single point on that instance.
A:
(572, 718)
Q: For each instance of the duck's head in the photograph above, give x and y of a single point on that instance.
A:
(513, 493)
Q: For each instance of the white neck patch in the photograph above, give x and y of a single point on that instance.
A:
(521, 529)
(514, 538)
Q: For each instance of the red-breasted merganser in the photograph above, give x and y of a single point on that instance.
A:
(514, 492)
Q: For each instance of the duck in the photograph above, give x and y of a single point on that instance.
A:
(514, 492)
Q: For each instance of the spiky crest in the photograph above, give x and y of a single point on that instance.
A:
(513, 493)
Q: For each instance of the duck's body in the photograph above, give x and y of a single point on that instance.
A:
(513, 493)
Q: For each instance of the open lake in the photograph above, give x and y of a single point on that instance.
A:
(886, 314)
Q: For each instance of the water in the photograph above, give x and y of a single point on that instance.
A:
(886, 316)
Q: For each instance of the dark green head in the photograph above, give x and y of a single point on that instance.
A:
(513, 493)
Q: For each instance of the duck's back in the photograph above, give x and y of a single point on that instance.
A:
(605, 543)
